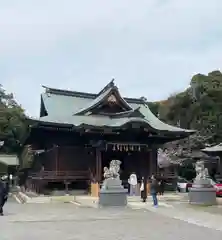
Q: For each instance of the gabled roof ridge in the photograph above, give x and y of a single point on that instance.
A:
(109, 85)
(58, 91)
(105, 93)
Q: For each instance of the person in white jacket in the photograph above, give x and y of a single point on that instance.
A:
(133, 184)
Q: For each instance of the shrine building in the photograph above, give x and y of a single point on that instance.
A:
(79, 133)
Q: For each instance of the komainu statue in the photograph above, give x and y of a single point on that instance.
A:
(112, 192)
(113, 170)
(201, 171)
(202, 191)
(111, 174)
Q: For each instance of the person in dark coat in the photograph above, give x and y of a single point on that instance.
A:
(4, 190)
(161, 185)
(143, 189)
(154, 190)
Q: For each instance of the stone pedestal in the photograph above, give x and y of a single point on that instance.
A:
(202, 193)
(112, 193)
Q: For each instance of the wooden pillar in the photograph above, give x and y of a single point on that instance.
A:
(66, 187)
(153, 160)
(149, 170)
(56, 149)
(95, 186)
(32, 187)
(98, 166)
(151, 163)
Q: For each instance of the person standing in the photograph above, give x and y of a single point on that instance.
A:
(154, 190)
(143, 189)
(161, 185)
(4, 190)
(133, 184)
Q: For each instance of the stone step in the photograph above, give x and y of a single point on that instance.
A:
(39, 200)
(18, 198)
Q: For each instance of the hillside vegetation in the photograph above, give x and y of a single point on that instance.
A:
(12, 124)
(199, 108)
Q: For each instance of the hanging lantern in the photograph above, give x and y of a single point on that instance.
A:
(127, 148)
(131, 147)
(139, 149)
(117, 147)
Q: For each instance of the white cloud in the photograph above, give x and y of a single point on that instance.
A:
(152, 48)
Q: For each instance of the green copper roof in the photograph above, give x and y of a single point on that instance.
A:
(105, 121)
(66, 107)
(63, 105)
(58, 101)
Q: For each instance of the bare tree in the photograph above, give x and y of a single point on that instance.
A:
(179, 151)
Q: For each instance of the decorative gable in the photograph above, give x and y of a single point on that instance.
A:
(112, 104)
(108, 101)
(111, 99)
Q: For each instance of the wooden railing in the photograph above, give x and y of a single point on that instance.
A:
(60, 175)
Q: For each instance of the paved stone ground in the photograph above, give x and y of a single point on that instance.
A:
(70, 221)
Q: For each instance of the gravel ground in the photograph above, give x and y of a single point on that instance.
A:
(209, 209)
(69, 221)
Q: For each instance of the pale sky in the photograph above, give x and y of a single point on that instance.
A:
(151, 47)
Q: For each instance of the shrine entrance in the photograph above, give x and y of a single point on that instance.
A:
(131, 161)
